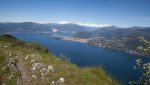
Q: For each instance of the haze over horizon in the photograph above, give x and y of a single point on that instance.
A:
(122, 13)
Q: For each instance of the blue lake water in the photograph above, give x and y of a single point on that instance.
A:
(117, 64)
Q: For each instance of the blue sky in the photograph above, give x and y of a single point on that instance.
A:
(122, 13)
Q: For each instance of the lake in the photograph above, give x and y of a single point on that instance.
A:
(117, 64)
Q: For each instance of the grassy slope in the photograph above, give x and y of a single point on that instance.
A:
(73, 74)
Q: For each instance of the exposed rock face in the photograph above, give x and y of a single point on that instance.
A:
(60, 81)
(42, 68)
(50, 68)
(38, 65)
(11, 63)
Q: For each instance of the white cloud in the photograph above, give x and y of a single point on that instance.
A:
(93, 25)
(63, 22)
(86, 24)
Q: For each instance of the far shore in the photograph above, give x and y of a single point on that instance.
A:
(86, 41)
(76, 39)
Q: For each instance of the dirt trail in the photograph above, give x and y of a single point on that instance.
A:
(25, 78)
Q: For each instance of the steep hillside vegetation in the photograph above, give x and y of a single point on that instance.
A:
(30, 64)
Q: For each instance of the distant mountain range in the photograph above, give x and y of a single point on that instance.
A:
(117, 32)
(122, 32)
(36, 27)
(77, 30)
(108, 36)
(123, 39)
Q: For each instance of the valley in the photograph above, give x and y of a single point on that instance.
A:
(86, 47)
(74, 42)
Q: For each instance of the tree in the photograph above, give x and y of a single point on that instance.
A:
(144, 68)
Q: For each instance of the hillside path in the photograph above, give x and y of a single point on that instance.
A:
(25, 78)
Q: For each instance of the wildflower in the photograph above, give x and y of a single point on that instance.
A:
(138, 62)
(26, 58)
(140, 47)
(42, 74)
(6, 46)
(33, 76)
(3, 84)
(10, 54)
(11, 76)
(53, 83)
(33, 68)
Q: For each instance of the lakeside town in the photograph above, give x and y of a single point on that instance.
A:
(113, 44)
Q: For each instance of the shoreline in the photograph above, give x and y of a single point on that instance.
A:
(85, 41)
(76, 39)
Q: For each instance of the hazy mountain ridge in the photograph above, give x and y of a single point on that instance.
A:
(36, 27)
(122, 39)
(121, 32)
(108, 31)
(126, 37)
(118, 32)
